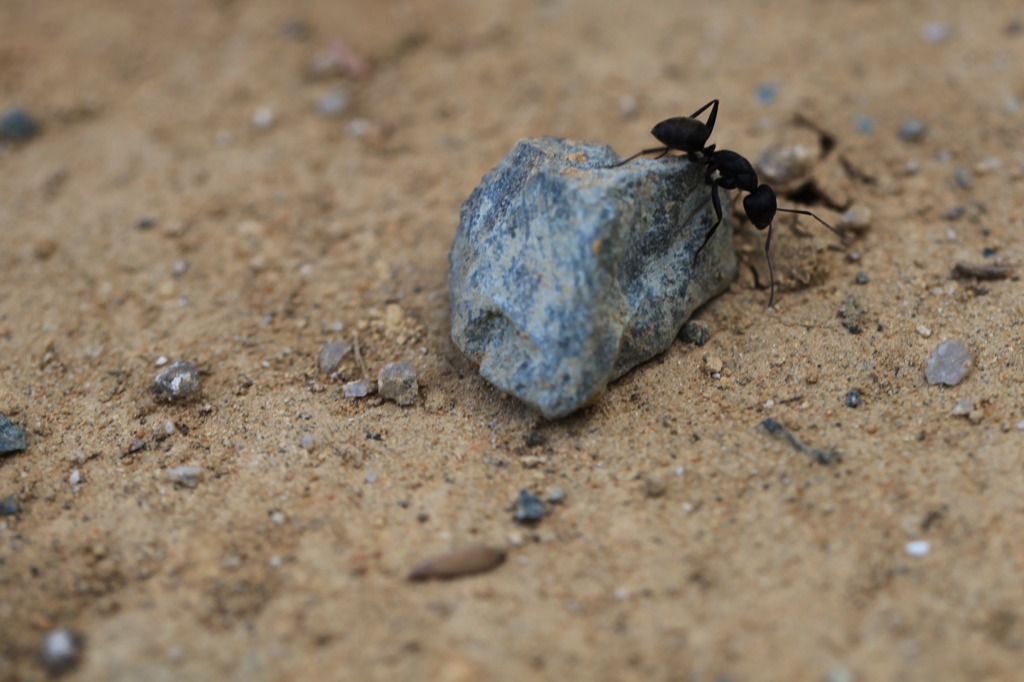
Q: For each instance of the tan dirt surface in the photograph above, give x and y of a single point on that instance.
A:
(153, 217)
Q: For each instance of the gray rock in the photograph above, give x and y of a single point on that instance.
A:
(9, 506)
(565, 274)
(529, 508)
(949, 363)
(332, 354)
(178, 381)
(913, 130)
(12, 436)
(397, 382)
(360, 388)
(18, 124)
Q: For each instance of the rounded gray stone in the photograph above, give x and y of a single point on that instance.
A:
(565, 273)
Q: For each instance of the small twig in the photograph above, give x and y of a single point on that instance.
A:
(777, 430)
(359, 355)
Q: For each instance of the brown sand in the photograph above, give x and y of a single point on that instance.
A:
(289, 563)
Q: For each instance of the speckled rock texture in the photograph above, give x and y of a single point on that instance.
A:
(565, 274)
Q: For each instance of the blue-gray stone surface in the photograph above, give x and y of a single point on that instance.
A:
(12, 437)
(565, 273)
(948, 364)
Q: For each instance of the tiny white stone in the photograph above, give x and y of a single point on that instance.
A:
(161, 361)
(75, 478)
(924, 331)
(918, 548)
(263, 118)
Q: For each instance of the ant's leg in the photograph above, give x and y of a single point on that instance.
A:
(771, 272)
(794, 210)
(711, 117)
(663, 150)
(716, 202)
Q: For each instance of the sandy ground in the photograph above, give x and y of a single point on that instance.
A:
(153, 218)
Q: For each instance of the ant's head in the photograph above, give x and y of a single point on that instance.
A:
(761, 206)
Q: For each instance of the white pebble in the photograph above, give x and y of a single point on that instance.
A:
(924, 331)
(263, 118)
(918, 548)
(75, 478)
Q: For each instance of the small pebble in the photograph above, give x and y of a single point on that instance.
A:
(308, 441)
(360, 388)
(864, 124)
(61, 651)
(989, 252)
(397, 382)
(924, 331)
(713, 364)
(263, 118)
(963, 177)
(555, 496)
(178, 381)
(696, 333)
(278, 517)
(332, 354)
(785, 163)
(457, 563)
(913, 130)
(654, 487)
(333, 103)
(854, 398)
(75, 478)
(535, 440)
(185, 476)
(12, 436)
(856, 219)
(918, 548)
(19, 125)
(936, 32)
(963, 407)
(861, 278)
(767, 93)
(851, 315)
(949, 363)
(9, 506)
(529, 508)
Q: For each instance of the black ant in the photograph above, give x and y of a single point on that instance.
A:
(725, 169)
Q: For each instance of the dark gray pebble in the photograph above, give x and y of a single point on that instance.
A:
(854, 398)
(529, 508)
(19, 125)
(861, 278)
(696, 333)
(397, 382)
(178, 381)
(535, 440)
(963, 177)
(12, 436)
(913, 130)
(9, 506)
(851, 315)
